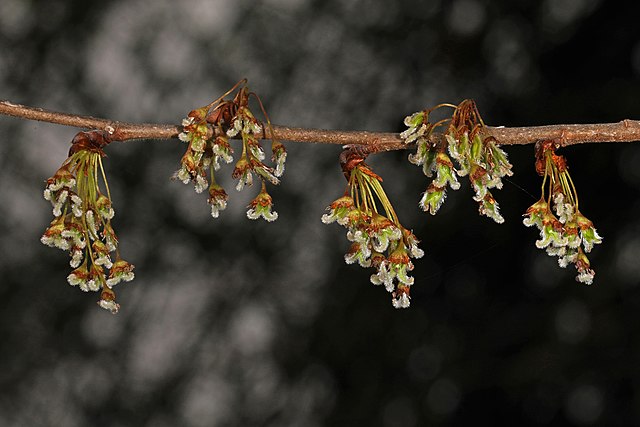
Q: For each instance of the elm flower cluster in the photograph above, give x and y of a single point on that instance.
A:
(208, 130)
(82, 220)
(476, 156)
(377, 240)
(202, 158)
(564, 231)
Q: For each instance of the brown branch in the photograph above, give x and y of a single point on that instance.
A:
(623, 131)
(385, 140)
(121, 131)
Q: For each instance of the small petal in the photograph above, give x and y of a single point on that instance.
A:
(401, 301)
(586, 276)
(108, 301)
(358, 253)
(91, 223)
(201, 184)
(489, 207)
(76, 258)
(122, 271)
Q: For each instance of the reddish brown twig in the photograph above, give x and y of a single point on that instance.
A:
(623, 131)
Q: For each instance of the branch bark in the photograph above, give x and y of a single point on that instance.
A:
(121, 131)
(623, 131)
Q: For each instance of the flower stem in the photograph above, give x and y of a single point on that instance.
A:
(104, 177)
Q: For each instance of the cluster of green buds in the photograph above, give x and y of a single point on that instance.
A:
(377, 239)
(564, 231)
(476, 154)
(82, 220)
(207, 130)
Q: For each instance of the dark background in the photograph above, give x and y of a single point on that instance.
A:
(236, 322)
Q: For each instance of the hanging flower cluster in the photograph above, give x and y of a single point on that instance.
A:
(477, 156)
(82, 220)
(377, 239)
(564, 231)
(207, 131)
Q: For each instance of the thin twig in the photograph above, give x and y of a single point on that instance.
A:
(121, 131)
(623, 131)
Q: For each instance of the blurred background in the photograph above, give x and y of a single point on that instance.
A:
(234, 322)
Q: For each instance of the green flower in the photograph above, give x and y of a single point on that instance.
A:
(339, 211)
(382, 231)
(588, 232)
(359, 253)
(217, 199)
(401, 298)
(122, 271)
(445, 173)
(108, 301)
(261, 206)
(433, 198)
(585, 273)
(400, 265)
(489, 207)
(535, 213)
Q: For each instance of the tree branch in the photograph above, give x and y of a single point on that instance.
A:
(121, 131)
(623, 131)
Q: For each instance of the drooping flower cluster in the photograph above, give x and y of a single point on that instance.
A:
(477, 156)
(82, 220)
(377, 240)
(564, 231)
(207, 130)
